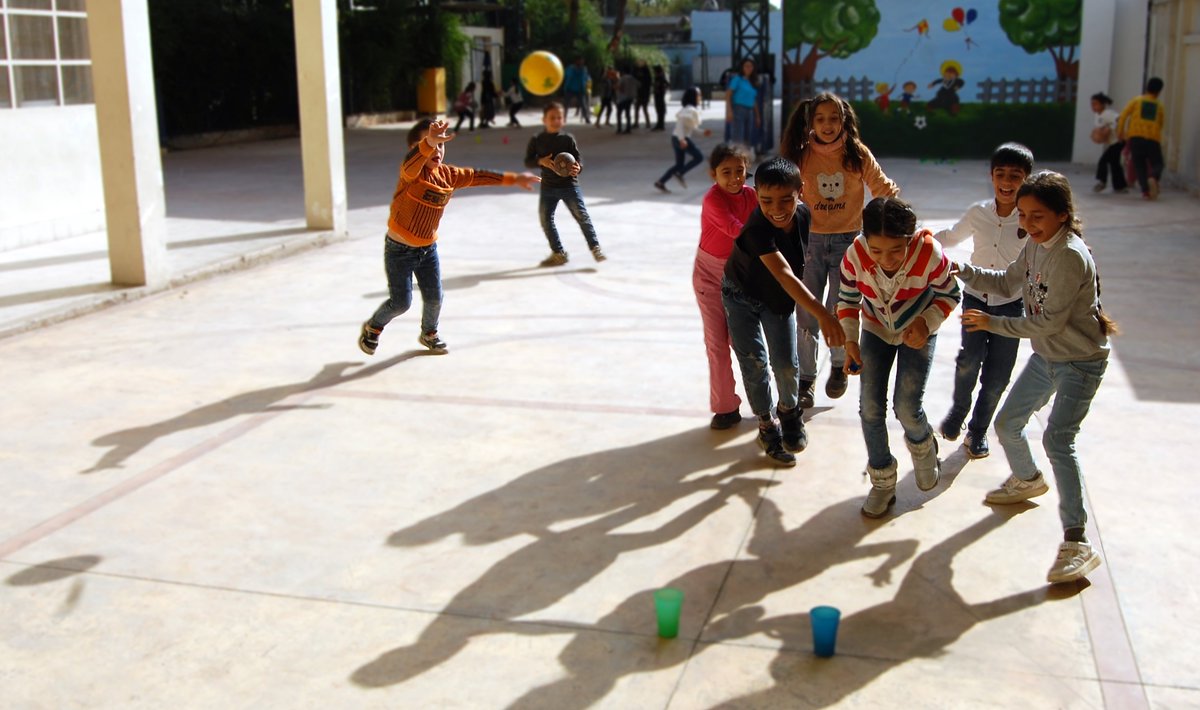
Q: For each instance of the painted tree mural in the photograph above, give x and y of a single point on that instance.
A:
(830, 28)
(1046, 25)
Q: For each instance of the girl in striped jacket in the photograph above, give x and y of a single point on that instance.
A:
(896, 289)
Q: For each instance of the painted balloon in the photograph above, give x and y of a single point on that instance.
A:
(950, 25)
(971, 15)
(957, 14)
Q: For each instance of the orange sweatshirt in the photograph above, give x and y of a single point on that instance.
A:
(421, 194)
(835, 195)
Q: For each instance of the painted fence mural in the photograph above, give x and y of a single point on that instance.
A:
(941, 78)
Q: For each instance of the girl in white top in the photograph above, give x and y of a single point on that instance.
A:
(1104, 132)
(687, 122)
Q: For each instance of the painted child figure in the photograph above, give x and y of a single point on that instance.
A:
(896, 291)
(983, 357)
(425, 186)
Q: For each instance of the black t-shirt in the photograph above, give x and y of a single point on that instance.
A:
(551, 144)
(759, 236)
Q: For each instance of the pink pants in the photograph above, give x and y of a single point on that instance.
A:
(706, 280)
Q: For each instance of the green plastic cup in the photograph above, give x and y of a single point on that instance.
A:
(668, 604)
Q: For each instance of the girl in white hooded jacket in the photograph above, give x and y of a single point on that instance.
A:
(687, 122)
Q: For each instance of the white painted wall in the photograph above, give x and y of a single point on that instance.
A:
(50, 183)
(1111, 57)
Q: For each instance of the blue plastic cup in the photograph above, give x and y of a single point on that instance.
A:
(824, 629)
(668, 604)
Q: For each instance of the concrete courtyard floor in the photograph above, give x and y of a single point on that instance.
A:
(212, 498)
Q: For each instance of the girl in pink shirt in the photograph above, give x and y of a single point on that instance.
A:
(727, 205)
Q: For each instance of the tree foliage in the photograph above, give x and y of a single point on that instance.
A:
(1045, 25)
(831, 28)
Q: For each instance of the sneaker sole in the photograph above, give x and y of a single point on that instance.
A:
(441, 351)
(1078, 574)
(1017, 499)
(974, 456)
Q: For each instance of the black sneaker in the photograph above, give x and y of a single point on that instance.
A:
(368, 338)
(432, 341)
(977, 445)
(795, 439)
(835, 386)
(725, 420)
(950, 428)
(771, 441)
(806, 394)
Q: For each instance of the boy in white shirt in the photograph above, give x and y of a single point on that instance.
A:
(987, 357)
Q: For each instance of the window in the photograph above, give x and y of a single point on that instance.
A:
(45, 59)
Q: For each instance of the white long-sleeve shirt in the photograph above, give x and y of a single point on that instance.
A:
(687, 122)
(996, 241)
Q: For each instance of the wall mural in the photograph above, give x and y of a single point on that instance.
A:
(942, 79)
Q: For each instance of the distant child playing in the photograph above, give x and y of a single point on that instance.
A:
(822, 138)
(556, 187)
(760, 292)
(896, 289)
(993, 227)
(1141, 124)
(727, 206)
(687, 123)
(426, 184)
(1067, 326)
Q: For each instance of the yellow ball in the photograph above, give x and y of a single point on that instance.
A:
(541, 73)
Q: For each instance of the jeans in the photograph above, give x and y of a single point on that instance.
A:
(623, 109)
(1147, 161)
(742, 130)
(912, 372)
(822, 268)
(1073, 385)
(573, 198)
(402, 262)
(759, 334)
(707, 275)
(1111, 160)
(680, 167)
(994, 356)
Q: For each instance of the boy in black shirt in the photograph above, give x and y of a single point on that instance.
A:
(760, 291)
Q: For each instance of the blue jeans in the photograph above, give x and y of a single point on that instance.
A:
(994, 356)
(680, 167)
(823, 277)
(757, 335)
(912, 372)
(1073, 385)
(402, 262)
(742, 130)
(573, 198)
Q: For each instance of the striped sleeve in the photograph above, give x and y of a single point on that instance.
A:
(946, 294)
(849, 296)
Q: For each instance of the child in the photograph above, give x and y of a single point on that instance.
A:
(727, 206)
(1141, 123)
(627, 91)
(760, 292)
(515, 100)
(822, 138)
(608, 96)
(465, 105)
(1069, 332)
(1105, 133)
(992, 225)
(410, 247)
(555, 187)
(687, 122)
(661, 86)
(897, 283)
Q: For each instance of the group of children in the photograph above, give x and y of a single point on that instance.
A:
(766, 253)
(1135, 132)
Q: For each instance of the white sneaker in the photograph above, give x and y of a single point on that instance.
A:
(1014, 490)
(1074, 561)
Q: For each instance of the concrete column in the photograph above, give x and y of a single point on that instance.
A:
(127, 125)
(320, 91)
(1095, 73)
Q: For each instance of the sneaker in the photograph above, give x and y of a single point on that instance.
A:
(806, 394)
(835, 386)
(771, 441)
(1098, 187)
(661, 187)
(1122, 191)
(950, 428)
(1074, 561)
(795, 439)
(725, 420)
(432, 341)
(977, 445)
(1153, 188)
(1014, 490)
(682, 182)
(598, 253)
(368, 338)
(556, 258)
